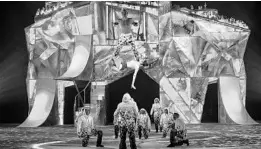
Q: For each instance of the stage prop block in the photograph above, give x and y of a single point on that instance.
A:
(182, 49)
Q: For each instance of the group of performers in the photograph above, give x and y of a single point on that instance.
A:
(127, 119)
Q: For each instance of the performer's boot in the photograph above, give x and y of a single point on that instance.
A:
(145, 132)
(186, 141)
(156, 127)
(164, 135)
(85, 141)
(116, 131)
(172, 139)
(171, 145)
(161, 128)
(99, 139)
(139, 131)
(123, 133)
(132, 140)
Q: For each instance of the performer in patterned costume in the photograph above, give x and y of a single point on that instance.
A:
(164, 122)
(156, 111)
(117, 123)
(126, 109)
(178, 133)
(143, 124)
(86, 128)
(126, 37)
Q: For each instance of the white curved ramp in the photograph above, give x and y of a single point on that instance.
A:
(230, 95)
(44, 98)
(80, 57)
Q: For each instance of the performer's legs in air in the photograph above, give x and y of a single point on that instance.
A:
(116, 131)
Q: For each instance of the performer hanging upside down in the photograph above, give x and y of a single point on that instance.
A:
(126, 36)
(126, 109)
(86, 128)
(178, 133)
(164, 122)
(143, 124)
(156, 111)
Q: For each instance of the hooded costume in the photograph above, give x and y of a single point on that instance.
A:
(164, 122)
(178, 133)
(128, 113)
(86, 128)
(156, 111)
(143, 124)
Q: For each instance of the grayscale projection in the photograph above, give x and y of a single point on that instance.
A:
(231, 99)
(182, 49)
(44, 98)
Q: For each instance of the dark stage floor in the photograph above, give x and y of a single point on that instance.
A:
(201, 136)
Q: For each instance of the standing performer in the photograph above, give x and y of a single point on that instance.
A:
(143, 124)
(126, 109)
(86, 128)
(156, 113)
(164, 122)
(178, 133)
(117, 123)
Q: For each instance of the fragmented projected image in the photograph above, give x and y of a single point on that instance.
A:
(181, 49)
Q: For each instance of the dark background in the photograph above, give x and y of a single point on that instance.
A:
(15, 16)
(146, 91)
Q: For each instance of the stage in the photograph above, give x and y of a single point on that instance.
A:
(207, 135)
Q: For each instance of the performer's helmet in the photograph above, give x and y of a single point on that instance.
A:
(126, 97)
(86, 106)
(156, 100)
(142, 110)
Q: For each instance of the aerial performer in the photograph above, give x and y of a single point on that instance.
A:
(126, 38)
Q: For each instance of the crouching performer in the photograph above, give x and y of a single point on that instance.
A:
(164, 122)
(127, 110)
(178, 133)
(86, 128)
(143, 124)
(155, 112)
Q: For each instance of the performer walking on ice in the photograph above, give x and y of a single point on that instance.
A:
(155, 112)
(126, 109)
(164, 122)
(143, 124)
(86, 128)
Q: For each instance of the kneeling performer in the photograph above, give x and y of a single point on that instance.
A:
(86, 128)
(178, 133)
